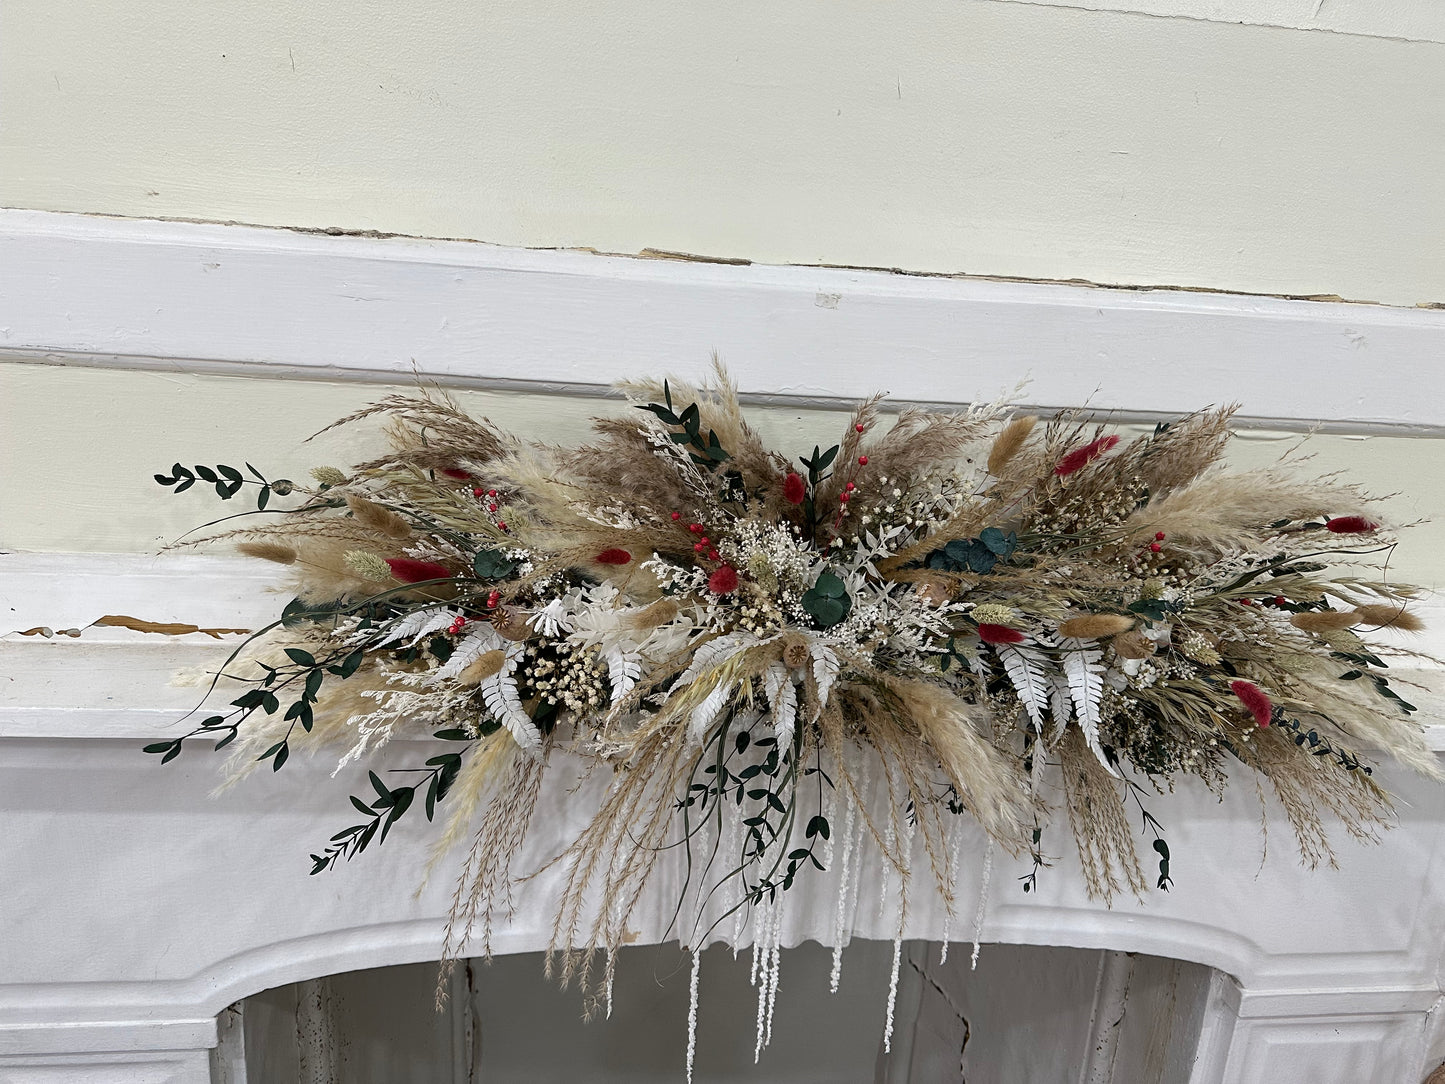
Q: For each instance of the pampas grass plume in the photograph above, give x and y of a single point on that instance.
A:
(1094, 626)
(279, 552)
(1010, 440)
(372, 515)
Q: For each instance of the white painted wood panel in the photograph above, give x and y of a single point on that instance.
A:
(202, 298)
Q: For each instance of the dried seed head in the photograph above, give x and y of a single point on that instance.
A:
(1389, 616)
(1010, 441)
(1094, 626)
(1325, 620)
(279, 552)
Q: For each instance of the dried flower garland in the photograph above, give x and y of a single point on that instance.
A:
(950, 605)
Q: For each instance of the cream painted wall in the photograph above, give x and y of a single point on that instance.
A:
(1021, 139)
(83, 482)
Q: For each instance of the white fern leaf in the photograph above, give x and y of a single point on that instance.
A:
(475, 641)
(552, 619)
(825, 670)
(1059, 703)
(1028, 670)
(499, 692)
(624, 670)
(417, 624)
(705, 713)
(783, 698)
(1083, 664)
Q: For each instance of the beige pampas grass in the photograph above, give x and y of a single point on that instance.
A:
(373, 516)
(279, 552)
(1221, 511)
(1387, 616)
(1325, 620)
(1096, 626)
(1009, 442)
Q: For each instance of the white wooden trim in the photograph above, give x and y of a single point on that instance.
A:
(86, 290)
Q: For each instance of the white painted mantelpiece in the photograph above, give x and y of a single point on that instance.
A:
(137, 906)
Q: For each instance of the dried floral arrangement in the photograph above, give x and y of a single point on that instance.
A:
(946, 611)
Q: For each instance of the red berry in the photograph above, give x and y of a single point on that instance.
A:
(850, 487)
(491, 508)
(704, 540)
(676, 516)
(501, 526)
(862, 460)
(712, 555)
(858, 428)
(695, 528)
(1159, 536)
(844, 497)
(698, 548)
(491, 493)
(477, 492)
(1155, 547)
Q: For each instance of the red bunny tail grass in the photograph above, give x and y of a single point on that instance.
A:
(613, 557)
(999, 634)
(793, 488)
(408, 570)
(1254, 699)
(1082, 457)
(1351, 525)
(723, 580)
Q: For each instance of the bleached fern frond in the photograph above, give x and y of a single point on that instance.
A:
(624, 669)
(1059, 704)
(1083, 664)
(825, 670)
(417, 624)
(499, 692)
(705, 713)
(783, 698)
(552, 620)
(475, 641)
(1028, 670)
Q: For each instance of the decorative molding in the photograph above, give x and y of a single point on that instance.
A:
(129, 293)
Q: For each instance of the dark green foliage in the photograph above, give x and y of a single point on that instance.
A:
(827, 601)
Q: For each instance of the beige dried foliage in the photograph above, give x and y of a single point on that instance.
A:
(1221, 511)
(1325, 620)
(1389, 616)
(1185, 450)
(1096, 626)
(1010, 442)
(376, 518)
(1100, 822)
(279, 552)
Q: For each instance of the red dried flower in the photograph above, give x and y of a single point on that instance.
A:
(1254, 699)
(457, 473)
(1081, 457)
(999, 634)
(1351, 525)
(408, 570)
(793, 488)
(723, 580)
(613, 557)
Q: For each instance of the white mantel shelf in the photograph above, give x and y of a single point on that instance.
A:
(144, 905)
